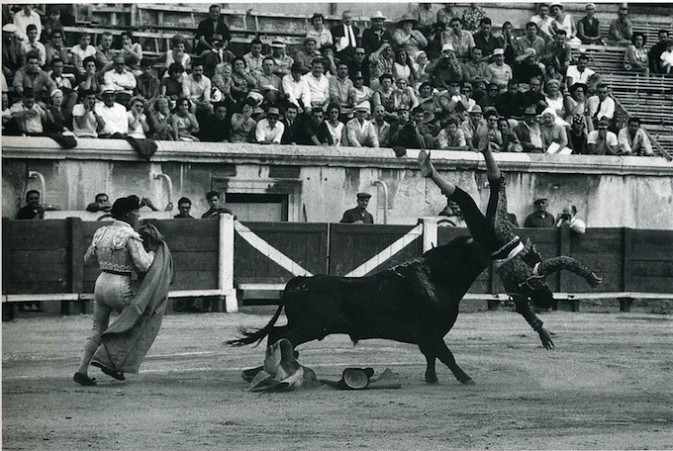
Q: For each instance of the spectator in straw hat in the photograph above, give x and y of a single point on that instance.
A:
(270, 130)
(406, 37)
(282, 62)
(375, 36)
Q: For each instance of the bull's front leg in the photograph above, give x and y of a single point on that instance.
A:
(430, 358)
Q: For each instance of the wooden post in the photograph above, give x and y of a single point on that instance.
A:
(225, 278)
(564, 249)
(8, 308)
(626, 260)
(625, 304)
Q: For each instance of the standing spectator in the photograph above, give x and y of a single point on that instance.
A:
(530, 50)
(242, 81)
(636, 58)
(121, 80)
(461, 41)
(131, 51)
(339, 89)
(33, 208)
(213, 24)
(197, 88)
(254, 58)
(306, 56)
(184, 209)
(588, 28)
(528, 131)
(31, 76)
(543, 21)
(104, 53)
(602, 141)
(359, 131)
(281, 60)
(407, 38)
(113, 114)
(86, 122)
(171, 86)
(579, 73)
(27, 16)
(33, 45)
(381, 126)
(359, 214)
(451, 136)
(219, 54)
(601, 106)
(242, 124)
(498, 72)
(564, 22)
(147, 83)
(318, 31)
(101, 203)
(375, 36)
(345, 37)
(654, 55)
(484, 40)
(27, 116)
(213, 198)
(55, 48)
(137, 119)
(296, 89)
(269, 130)
(632, 140)
(578, 136)
(552, 132)
(216, 127)
(318, 85)
(540, 218)
(161, 120)
(621, 29)
(185, 124)
(568, 219)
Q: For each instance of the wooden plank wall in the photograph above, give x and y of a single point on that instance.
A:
(649, 257)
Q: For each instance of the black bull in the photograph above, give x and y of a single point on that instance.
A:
(415, 302)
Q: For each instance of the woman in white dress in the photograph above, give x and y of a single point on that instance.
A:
(565, 22)
(335, 128)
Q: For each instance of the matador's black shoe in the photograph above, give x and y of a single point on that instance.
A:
(83, 379)
(110, 372)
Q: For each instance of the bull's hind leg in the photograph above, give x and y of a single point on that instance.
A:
(446, 357)
(430, 358)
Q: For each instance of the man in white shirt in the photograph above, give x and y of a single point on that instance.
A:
(339, 88)
(85, 120)
(122, 80)
(345, 36)
(601, 106)
(579, 73)
(197, 87)
(632, 140)
(113, 115)
(270, 130)
(602, 141)
(543, 20)
(254, 58)
(568, 219)
(27, 17)
(29, 116)
(296, 89)
(359, 131)
(318, 84)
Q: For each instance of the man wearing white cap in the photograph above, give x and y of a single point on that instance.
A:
(113, 115)
(11, 51)
(359, 131)
(445, 69)
(498, 72)
(375, 36)
(270, 130)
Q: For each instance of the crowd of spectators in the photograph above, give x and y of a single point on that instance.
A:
(431, 80)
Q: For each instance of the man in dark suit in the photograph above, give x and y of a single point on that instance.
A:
(345, 37)
(292, 125)
(359, 214)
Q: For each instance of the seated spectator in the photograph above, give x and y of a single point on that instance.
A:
(404, 132)
(243, 82)
(381, 126)
(491, 98)
(552, 132)
(528, 131)
(345, 37)
(86, 122)
(64, 82)
(359, 93)
(404, 36)
(306, 56)
(359, 131)
(543, 22)
(121, 80)
(222, 83)
(632, 140)
(403, 67)
(557, 52)
(563, 22)
(489, 136)
(329, 59)
(219, 54)
(292, 125)
(90, 80)
(601, 106)
(510, 104)
(242, 124)
(296, 89)
(636, 58)
(498, 72)
(485, 40)
(508, 42)
(476, 67)
(510, 141)
(105, 53)
(269, 83)
(534, 96)
(33, 45)
(578, 135)
(404, 95)
(667, 58)
(602, 141)
(554, 98)
(147, 84)
(318, 32)
(425, 19)
(138, 126)
(58, 118)
(654, 55)
(210, 26)
(382, 62)
(184, 209)
(51, 24)
(318, 85)
(177, 54)
(132, 52)
(23, 18)
(445, 69)
(269, 130)
(445, 14)
(574, 102)
(31, 76)
(312, 132)
(171, 86)
(27, 117)
(213, 198)
(384, 96)
(579, 73)
(428, 98)
(360, 63)
(530, 50)
(216, 127)
(161, 119)
(113, 114)
(375, 36)
(461, 40)
(540, 218)
(335, 130)
(81, 51)
(197, 88)
(621, 29)
(588, 28)
(568, 219)
(451, 136)
(101, 203)
(419, 68)
(282, 62)
(33, 208)
(472, 125)
(11, 51)
(185, 124)
(254, 58)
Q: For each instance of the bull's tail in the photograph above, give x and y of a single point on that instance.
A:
(251, 336)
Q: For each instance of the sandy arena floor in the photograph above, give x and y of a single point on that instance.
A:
(607, 385)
